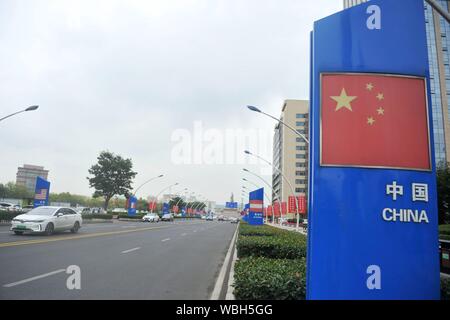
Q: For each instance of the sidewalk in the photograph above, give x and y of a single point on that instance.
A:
(276, 225)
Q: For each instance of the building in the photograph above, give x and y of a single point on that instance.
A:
(438, 36)
(290, 152)
(26, 176)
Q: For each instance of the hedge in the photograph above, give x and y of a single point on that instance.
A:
(258, 278)
(264, 230)
(97, 216)
(126, 216)
(445, 289)
(8, 216)
(444, 229)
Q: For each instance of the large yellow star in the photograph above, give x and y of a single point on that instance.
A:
(343, 101)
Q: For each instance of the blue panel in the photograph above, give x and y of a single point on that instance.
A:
(347, 233)
(132, 204)
(256, 205)
(42, 192)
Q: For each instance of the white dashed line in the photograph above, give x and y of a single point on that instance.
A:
(9, 285)
(131, 250)
(183, 234)
(164, 240)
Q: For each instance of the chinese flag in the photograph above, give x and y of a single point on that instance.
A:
(374, 121)
(284, 208)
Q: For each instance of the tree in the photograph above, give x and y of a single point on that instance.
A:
(12, 190)
(176, 200)
(112, 175)
(443, 191)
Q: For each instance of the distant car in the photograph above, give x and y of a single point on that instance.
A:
(209, 218)
(220, 218)
(234, 220)
(46, 220)
(203, 217)
(151, 217)
(6, 206)
(167, 217)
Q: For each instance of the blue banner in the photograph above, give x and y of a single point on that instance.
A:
(132, 204)
(231, 205)
(42, 192)
(373, 223)
(256, 207)
(165, 208)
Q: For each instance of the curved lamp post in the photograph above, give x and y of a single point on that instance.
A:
(149, 180)
(32, 108)
(297, 202)
(172, 185)
(255, 109)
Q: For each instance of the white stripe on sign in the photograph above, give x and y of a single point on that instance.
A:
(131, 250)
(256, 206)
(9, 285)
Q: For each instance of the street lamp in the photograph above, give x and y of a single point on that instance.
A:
(297, 202)
(273, 191)
(149, 180)
(172, 185)
(255, 109)
(31, 108)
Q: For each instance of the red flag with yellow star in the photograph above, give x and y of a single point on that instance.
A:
(372, 120)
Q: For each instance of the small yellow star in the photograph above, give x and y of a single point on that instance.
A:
(380, 96)
(369, 86)
(343, 101)
(370, 120)
(380, 111)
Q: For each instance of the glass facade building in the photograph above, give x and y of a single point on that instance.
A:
(438, 38)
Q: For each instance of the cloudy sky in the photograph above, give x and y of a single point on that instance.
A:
(163, 82)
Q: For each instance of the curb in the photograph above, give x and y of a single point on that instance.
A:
(220, 282)
(230, 294)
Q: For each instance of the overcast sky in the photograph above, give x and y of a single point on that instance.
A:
(132, 76)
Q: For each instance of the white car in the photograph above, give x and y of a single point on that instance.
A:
(151, 217)
(47, 220)
(6, 206)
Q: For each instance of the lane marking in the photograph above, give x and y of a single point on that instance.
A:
(84, 236)
(164, 240)
(9, 285)
(195, 231)
(183, 234)
(131, 250)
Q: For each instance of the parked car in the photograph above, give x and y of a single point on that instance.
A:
(209, 218)
(151, 217)
(167, 217)
(234, 220)
(6, 206)
(220, 218)
(47, 220)
(203, 217)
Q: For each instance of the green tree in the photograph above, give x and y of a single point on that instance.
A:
(112, 175)
(443, 191)
(177, 200)
(12, 190)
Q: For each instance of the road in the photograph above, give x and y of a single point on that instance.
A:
(120, 260)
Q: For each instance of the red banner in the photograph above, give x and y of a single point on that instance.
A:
(269, 211)
(152, 205)
(175, 209)
(276, 209)
(301, 203)
(283, 208)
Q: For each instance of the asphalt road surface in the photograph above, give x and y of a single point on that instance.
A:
(120, 260)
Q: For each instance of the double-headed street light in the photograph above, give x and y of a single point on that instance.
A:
(296, 201)
(32, 108)
(172, 185)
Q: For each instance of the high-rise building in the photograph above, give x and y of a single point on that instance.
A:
(26, 176)
(438, 38)
(290, 152)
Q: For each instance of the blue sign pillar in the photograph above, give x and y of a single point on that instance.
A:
(42, 192)
(373, 224)
(256, 206)
(132, 204)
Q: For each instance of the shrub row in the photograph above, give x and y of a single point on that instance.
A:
(8, 216)
(276, 247)
(270, 242)
(444, 229)
(445, 289)
(97, 216)
(259, 278)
